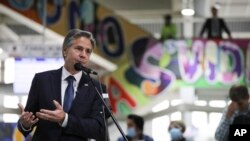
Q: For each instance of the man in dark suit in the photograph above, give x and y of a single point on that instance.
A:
(62, 104)
(215, 26)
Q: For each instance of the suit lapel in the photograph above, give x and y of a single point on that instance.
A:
(84, 82)
(82, 93)
(56, 81)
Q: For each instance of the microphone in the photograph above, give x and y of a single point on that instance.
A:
(78, 66)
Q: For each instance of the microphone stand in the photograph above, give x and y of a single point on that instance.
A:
(105, 105)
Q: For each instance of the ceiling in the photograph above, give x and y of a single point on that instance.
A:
(155, 9)
(17, 29)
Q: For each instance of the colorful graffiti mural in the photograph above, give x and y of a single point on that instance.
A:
(153, 68)
(221, 62)
(146, 67)
(114, 35)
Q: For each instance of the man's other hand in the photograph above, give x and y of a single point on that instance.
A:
(57, 115)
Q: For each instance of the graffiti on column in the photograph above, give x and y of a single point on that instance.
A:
(110, 37)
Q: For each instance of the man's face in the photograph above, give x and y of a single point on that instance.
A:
(131, 124)
(214, 11)
(78, 52)
(132, 130)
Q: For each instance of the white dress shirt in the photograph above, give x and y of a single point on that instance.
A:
(64, 85)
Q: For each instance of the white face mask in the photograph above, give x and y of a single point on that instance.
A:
(131, 132)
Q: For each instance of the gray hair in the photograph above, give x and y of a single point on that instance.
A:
(77, 33)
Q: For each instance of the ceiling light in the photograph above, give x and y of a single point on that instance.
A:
(176, 102)
(187, 8)
(200, 103)
(217, 103)
(187, 12)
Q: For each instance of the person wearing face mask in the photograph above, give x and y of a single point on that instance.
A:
(135, 125)
(176, 130)
(238, 109)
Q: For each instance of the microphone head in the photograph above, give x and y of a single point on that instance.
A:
(78, 66)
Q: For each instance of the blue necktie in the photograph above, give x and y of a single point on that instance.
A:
(69, 93)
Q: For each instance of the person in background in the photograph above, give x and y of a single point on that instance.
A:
(215, 26)
(135, 125)
(169, 29)
(176, 130)
(238, 107)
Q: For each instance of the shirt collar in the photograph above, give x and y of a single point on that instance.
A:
(65, 74)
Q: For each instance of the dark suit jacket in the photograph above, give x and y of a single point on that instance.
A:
(84, 118)
(208, 27)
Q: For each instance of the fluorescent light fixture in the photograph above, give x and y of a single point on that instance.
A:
(161, 106)
(200, 103)
(176, 102)
(10, 118)
(1, 50)
(217, 103)
(187, 12)
(10, 101)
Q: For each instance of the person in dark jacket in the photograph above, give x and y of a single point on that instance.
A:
(215, 26)
(62, 104)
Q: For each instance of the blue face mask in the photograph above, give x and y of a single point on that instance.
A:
(175, 134)
(131, 132)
